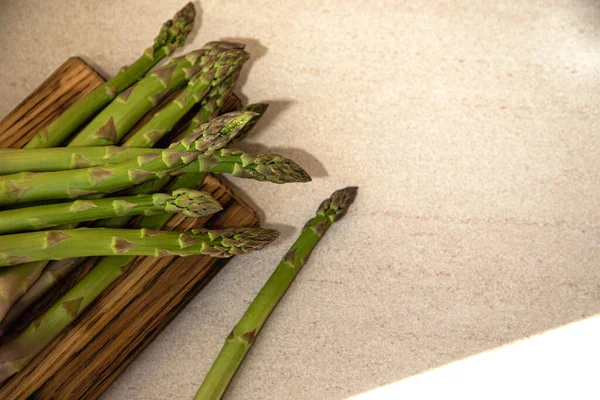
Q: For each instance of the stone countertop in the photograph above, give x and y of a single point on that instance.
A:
(473, 131)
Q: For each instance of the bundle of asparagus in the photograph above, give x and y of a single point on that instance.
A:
(107, 172)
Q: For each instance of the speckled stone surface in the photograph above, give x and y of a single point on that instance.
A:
(473, 131)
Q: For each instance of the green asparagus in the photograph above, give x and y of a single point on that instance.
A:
(171, 36)
(25, 247)
(15, 284)
(244, 334)
(191, 203)
(16, 354)
(114, 121)
(64, 158)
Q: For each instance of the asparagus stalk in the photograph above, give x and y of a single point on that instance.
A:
(16, 354)
(20, 248)
(244, 334)
(172, 35)
(44, 186)
(191, 203)
(116, 119)
(262, 167)
(15, 161)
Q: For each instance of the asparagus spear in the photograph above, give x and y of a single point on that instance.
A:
(31, 187)
(63, 158)
(71, 184)
(16, 354)
(191, 203)
(116, 119)
(25, 247)
(172, 35)
(43, 186)
(244, 334)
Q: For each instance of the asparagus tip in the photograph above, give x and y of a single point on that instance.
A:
(236, 241)
(258, 109)
(339, 202)
(175, 31)
(194, 203)
(218, 132)
(279, 169)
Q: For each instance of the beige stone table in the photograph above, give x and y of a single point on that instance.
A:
(469, 264)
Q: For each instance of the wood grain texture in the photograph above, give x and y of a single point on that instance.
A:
(69, 83)
(85, 359)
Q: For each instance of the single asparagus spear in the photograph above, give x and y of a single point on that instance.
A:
(16, 354)
(44, 186)
(261, 167)
(25, 247)
(71, 184)
(191, 203)
(116, 119)
(172, 35)
(243, 335)
(64, 158)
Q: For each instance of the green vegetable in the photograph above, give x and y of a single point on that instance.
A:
(20, 248)
(244, 334)
(191, 203)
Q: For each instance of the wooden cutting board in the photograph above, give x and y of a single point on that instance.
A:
(83, 361)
